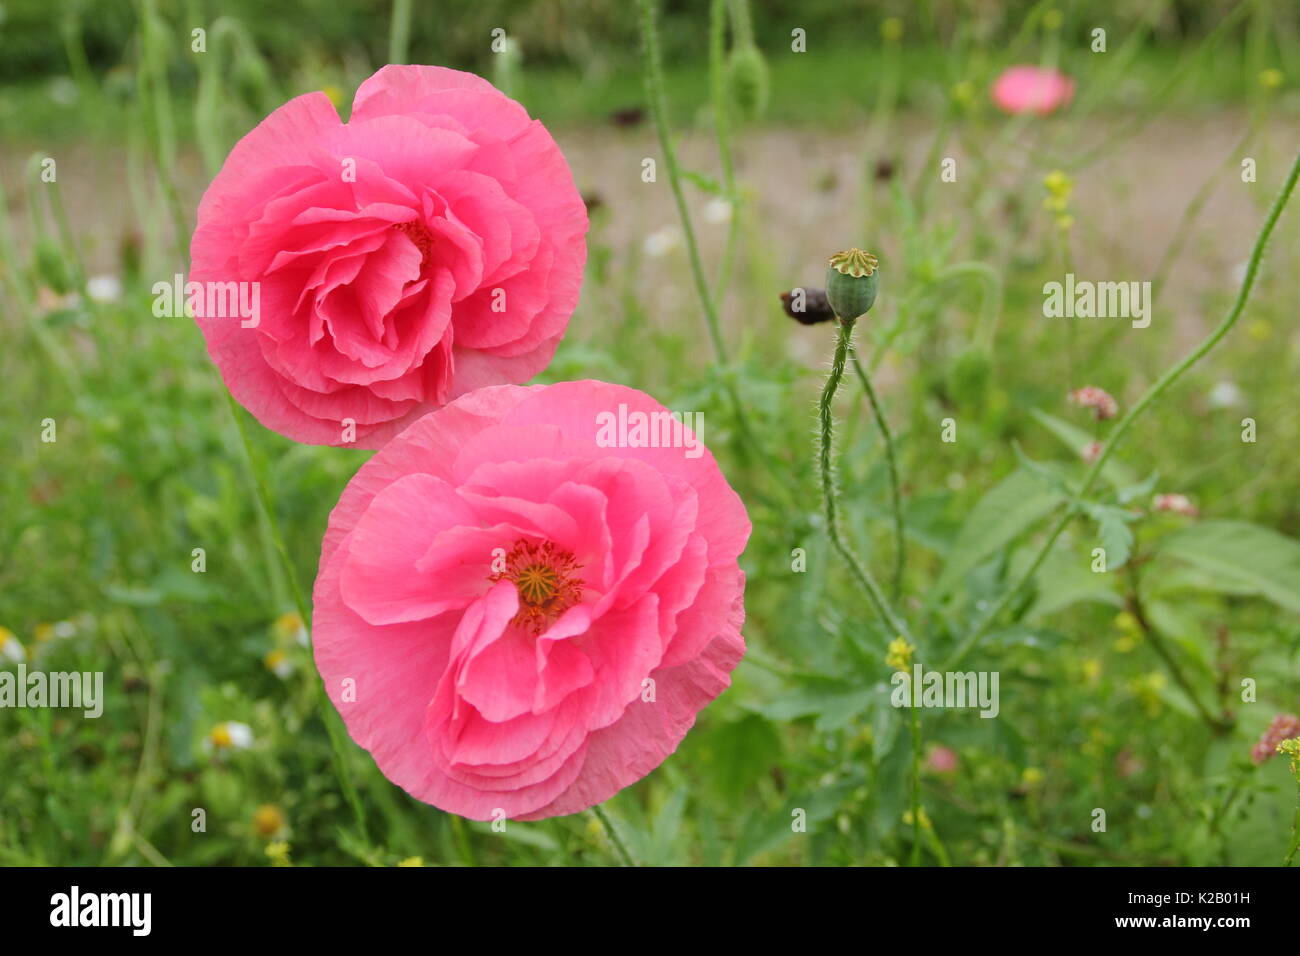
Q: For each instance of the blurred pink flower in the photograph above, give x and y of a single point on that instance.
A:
(1032, 89)
(1178, 504)
(1283, 727)
(1091, 451)
(517, 616)
(431, 245)
(942, 759)
(1099, 400)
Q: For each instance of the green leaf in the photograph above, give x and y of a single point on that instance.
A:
(1077, 439)
(1066, 578)
(1113, 531)
(1245, 556)
(835, 703)
(1006, 510)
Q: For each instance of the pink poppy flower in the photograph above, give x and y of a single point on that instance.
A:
(1032, 89)
(431, 245)
(520, 608)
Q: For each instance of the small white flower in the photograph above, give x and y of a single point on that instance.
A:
(278, 663)
(104, 288)
(661, 242)
(1225, 395)
(230, 735)
(717, 211)
(11, 649)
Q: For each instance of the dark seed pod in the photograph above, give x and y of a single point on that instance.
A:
(627, 116)
(851, 283)
(809, 308)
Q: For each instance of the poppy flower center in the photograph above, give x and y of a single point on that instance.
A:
(546, 577)
(423, 239)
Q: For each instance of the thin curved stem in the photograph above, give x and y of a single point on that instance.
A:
(830, 500)
(1126, 423)
(614, 838)
(338, 744)
(654, 85)
(896, 500)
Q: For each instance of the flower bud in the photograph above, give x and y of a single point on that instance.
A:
(851, 283)
(747, 81)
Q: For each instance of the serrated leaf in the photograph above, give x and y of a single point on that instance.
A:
(1008, 509)
(1077, 439)
(1113, 532)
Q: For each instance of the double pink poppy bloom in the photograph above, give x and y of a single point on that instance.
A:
(529, 621)
(431, 245)
(513, 616)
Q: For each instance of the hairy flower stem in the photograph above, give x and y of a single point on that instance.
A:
(614, 838)
(1126, 423)
(896, 501)
(892, 622)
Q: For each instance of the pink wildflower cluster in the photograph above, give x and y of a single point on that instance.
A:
(1283, 727)
(1090, 396)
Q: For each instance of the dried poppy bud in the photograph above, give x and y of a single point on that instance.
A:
(851, 283)
(807, 306)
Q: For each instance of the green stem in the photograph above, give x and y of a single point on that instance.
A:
(399, 31)
(338, 744)
(916, 786)
(722, 130)
(1161, 386)
(1295, 829)
(654, 85)
(896, 501)
(614, 838)
(1162, 650)
(893, 623)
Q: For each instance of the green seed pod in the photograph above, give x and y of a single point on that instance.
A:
(851, 283)
(747, 81)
